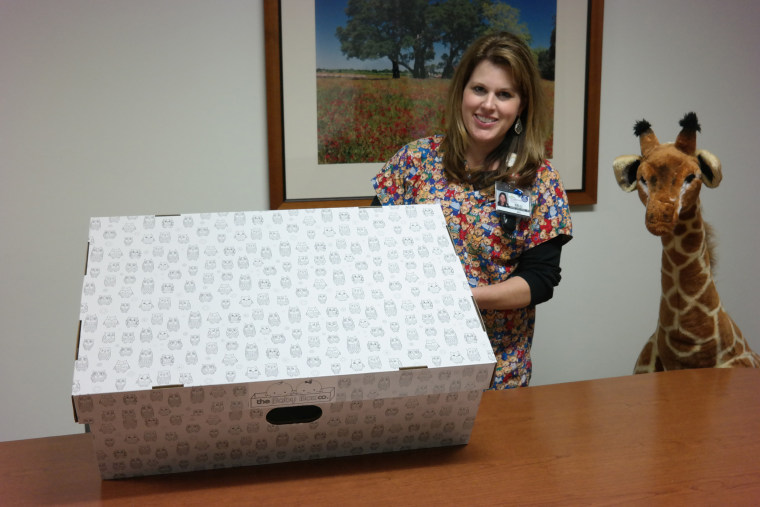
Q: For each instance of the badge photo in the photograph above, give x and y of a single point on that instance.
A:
(512, 201)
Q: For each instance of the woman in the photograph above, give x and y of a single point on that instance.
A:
(497, 128)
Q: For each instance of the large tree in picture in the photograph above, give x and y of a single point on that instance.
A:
(501, 17)
(395, 29)
(460, 22)
(546, 57)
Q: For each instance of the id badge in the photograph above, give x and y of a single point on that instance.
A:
(512, 201)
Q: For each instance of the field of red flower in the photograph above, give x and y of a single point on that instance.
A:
(368, 119)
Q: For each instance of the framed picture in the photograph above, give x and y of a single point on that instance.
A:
(298, 179)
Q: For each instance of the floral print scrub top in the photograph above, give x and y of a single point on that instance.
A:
(415, 175)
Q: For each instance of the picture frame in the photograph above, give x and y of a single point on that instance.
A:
(583, 98)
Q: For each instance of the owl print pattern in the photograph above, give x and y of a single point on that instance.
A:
(193, 327)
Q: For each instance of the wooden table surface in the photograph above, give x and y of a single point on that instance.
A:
(675, 438)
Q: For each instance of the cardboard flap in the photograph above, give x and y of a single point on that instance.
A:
(252, 298)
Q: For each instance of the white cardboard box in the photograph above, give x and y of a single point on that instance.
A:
(228, 339)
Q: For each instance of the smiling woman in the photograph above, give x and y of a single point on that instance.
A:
(490, 107)
(501, 69)
(495, 134)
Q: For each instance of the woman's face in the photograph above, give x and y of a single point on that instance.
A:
(490, 105)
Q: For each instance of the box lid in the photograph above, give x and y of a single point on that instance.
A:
(228, 298)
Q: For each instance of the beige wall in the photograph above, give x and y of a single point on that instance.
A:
(112, 107)
(157, 106)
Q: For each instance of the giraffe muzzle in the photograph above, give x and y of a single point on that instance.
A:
(660, 218)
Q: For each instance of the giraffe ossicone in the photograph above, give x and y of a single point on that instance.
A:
(693, 329)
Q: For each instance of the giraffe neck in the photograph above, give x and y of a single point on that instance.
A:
(686, 257)
(690, 307)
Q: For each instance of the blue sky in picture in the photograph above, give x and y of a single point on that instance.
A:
(538, 15)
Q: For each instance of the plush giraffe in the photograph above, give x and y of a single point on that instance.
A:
(693, 330)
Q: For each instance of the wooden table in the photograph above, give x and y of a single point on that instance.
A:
(676, 438)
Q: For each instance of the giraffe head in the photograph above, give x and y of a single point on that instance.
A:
(668, 176)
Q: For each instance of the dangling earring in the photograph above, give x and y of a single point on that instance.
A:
(518, 127)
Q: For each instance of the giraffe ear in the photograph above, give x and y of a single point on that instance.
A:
(626, 167)
(709, 164)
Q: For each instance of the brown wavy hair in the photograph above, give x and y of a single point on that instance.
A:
(505, 49)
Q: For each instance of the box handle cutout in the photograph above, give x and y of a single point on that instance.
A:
(294, 415)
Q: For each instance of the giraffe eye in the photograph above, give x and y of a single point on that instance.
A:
(690, 178)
